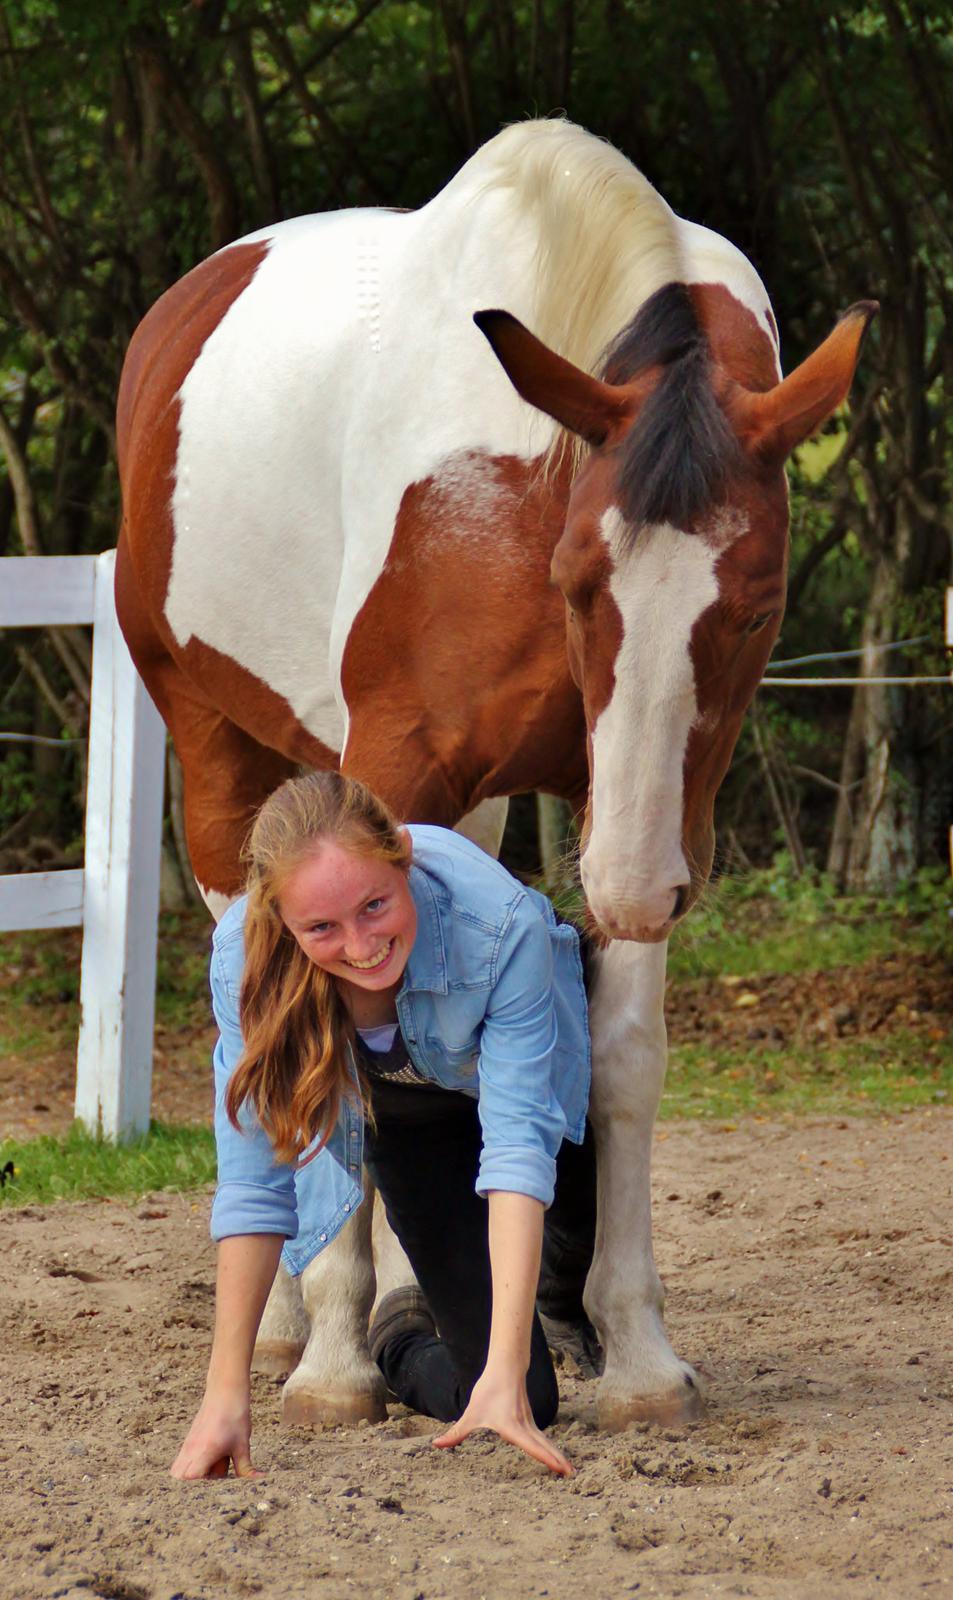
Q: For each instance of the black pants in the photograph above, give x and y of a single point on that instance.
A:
(423, 1157)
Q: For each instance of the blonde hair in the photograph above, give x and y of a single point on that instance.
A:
(296, 1065)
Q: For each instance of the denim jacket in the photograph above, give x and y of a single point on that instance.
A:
(491, 1004)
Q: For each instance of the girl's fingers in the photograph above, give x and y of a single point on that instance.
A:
(535, 1444)
(529, 1440)
(218, 1469)
(452, 1436)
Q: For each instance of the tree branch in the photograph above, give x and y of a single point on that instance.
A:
(28, 516)
(156, 62)
(818, 552)
(326, 49)
(59, 707)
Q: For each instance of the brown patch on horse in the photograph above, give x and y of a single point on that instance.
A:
(730, 646)
(581, 567)
(738, 342)
(455, 672)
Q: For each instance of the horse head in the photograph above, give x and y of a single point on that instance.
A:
(672, 563)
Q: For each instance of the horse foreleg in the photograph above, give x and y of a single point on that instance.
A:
(624, 1297)
(336, 1380)
(284, 1328)
(486, 824)
(391, 1266)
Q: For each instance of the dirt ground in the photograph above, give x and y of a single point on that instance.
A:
(809, 1271)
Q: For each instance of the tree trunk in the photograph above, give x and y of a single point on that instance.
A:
(885, 837)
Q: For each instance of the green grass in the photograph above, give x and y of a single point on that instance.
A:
(767, 922)
(81, 1167)
(846, 1077)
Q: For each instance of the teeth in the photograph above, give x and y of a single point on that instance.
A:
(375, 961)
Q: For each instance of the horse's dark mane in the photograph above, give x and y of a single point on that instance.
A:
(677, 456)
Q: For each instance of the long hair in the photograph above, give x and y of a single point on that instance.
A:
(295, 1068)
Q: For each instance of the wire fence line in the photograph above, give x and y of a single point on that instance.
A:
(844, 655)
(844, 683)
(36, 738)
(772, 682)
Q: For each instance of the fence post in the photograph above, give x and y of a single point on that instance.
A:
(120, 882)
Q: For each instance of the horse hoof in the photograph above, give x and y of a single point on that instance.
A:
(276, 1357)
(673, 1408)
(305, 1408)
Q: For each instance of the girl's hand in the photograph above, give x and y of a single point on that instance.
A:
(220, 1433)
(501, 1404)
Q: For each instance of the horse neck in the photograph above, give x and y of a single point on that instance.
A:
(552, 224)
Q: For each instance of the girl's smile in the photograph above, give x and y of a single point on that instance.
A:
(352, 915)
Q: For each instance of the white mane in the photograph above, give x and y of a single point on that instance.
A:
(606, 239)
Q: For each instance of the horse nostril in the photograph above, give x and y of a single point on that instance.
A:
(681, 896)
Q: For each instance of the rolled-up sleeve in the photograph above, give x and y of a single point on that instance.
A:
(523, 1122)
(255, 1193)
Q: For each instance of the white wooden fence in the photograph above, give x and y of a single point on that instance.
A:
(115, 897)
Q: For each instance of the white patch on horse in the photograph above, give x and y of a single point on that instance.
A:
(216, 902)
(661, 583)
(469, 500)
(294, 435)
(723, 526)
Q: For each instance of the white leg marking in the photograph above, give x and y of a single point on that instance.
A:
(624, 1295)
(485, 824)
(284, 1328)
(390, 1263)
(337, 1381)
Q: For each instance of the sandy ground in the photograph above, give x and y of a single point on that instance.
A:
(809, 1270)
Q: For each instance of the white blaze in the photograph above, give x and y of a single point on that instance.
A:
(634, 862)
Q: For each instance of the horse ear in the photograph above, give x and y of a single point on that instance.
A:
(774, 423)
(579, 402)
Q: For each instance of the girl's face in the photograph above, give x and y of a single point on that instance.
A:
(352, 915)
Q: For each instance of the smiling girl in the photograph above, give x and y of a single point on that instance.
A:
(393, 997)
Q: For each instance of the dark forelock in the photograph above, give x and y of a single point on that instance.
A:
(678, 454)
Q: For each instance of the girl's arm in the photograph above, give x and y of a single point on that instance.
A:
(499, 1399)
(221, 1431)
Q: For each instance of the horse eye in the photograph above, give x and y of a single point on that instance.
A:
(757, 623)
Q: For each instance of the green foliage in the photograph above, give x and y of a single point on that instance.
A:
(81, 1167)
(776, 921)
(39, 984)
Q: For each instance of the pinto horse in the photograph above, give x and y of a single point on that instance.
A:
(483, 498)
